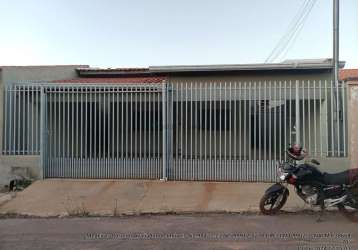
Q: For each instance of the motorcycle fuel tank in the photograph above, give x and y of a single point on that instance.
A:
(308, 174)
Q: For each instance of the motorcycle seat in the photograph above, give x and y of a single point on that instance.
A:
(337, 179)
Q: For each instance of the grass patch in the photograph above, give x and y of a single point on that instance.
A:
(75, 209)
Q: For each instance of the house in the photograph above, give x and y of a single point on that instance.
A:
(350, 79)
(199, 122)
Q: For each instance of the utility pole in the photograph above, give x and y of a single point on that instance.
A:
(336, 74)
(336, 40)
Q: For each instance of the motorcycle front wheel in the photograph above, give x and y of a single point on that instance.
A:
(271, 203)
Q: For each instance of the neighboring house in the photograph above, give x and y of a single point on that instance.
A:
(200, 122)
(350, 78)
(348, 75)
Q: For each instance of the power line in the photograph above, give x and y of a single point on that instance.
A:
(288, 30)
(295, 31)
(291, 34)
(299, 29)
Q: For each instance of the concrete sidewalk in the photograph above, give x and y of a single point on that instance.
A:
(61, 197)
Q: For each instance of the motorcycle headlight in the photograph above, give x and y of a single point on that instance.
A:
(282, 174)
(283, 177)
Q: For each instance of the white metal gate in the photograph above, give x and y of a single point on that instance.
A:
(220, 131)
(103, 132)
(238, 131)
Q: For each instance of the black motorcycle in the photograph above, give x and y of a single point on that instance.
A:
(314, 187)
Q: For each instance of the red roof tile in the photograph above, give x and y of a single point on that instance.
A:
(348, 74)
(114, 69)
(118, 80)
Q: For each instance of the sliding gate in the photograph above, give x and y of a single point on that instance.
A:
(220, 131)
(238, 131)
(103, 132)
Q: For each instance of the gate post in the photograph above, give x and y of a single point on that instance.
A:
(297, 121)
(165, 133)
(43, 132)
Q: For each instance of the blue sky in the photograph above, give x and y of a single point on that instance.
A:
(109, 33)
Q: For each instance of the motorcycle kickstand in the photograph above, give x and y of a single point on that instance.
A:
(321, 213)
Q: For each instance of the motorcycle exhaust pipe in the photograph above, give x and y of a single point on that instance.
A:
(333, 202)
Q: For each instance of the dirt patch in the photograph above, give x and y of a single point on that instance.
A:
(209, 188)
(117, 197)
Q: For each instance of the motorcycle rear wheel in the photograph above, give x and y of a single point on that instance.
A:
(275, 201)
(349, 212)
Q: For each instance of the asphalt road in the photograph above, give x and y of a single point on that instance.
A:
(207, 231)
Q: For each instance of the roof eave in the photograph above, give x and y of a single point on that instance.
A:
(350, 79)
(211, 68)
(224, 68)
